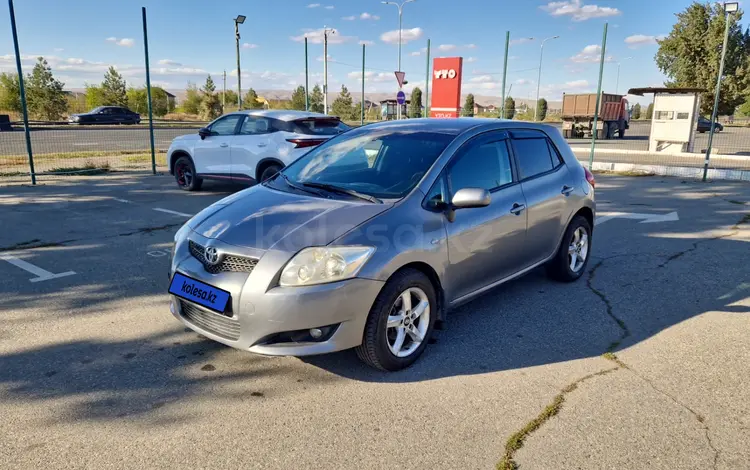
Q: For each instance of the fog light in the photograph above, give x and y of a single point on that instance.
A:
(316, 333)
(173, 307)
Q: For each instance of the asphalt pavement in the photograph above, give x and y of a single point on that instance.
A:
(96, 373)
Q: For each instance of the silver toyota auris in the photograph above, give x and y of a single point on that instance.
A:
(368, 240)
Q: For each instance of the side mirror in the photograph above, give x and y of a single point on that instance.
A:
(468, 198)
(204, 132)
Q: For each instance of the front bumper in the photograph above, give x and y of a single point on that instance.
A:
(259, 312)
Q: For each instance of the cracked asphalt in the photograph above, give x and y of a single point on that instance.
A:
(643, 363)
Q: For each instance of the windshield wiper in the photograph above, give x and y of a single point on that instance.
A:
(292, 185)
(338, 189)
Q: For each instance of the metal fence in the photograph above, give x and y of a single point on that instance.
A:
(60, 150)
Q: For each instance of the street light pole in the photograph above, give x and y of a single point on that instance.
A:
(539, 79)
(400, 23)
(617, 85)
(237, 22)
(325, 67)
(728, 9)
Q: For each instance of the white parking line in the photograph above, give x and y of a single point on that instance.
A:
(167, 211)
(42, 274)
(122, 200)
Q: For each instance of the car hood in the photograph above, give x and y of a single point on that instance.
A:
(264, 218)
(186, 137)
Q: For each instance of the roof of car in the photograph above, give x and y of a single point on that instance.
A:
(451, 126)
(285, 114)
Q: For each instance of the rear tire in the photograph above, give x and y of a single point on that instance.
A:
(572, 257)
(184, 174)
(268, 172)
(417, 320)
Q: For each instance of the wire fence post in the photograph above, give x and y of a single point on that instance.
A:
(307, 83)
(598, 97)
(427, 84)
(505, 73)
(362, 117)
(148, 92)
(716, 98)
(22, 92)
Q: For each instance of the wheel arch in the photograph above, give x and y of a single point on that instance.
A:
(176, 155)
(432, 275)
(265, 163)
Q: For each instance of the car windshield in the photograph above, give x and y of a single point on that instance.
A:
(97, 109)
(380, 162)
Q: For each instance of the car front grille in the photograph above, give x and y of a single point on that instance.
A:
(228, 263)
(216, 323)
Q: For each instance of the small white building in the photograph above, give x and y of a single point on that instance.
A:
(673, 124)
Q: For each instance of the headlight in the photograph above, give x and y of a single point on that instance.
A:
(319, 265)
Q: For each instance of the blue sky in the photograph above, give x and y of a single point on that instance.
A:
(190, 38)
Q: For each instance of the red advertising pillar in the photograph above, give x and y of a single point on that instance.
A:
(446, 87)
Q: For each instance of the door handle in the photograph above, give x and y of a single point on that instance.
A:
(566, 190)
(517, 209)
(224, 145)
(262, 145)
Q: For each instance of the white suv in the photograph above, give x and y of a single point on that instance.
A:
(248, 146)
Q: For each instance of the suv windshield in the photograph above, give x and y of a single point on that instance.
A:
(383, 163)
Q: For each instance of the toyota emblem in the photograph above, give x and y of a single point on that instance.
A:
(212, 255)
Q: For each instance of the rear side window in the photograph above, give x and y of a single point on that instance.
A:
(535, 156)
(321, 126)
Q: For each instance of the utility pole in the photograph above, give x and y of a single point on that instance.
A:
(617, 83)
(307, 82)
(224, 96)
(427, 84)
(237, 22)
(400, 27)
(326, 31)
(22, 92)
(539, 79)
(505, 72)
(594, 131)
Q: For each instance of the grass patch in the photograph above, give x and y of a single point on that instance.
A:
(515, 441)
(633, 173)
(87, 169)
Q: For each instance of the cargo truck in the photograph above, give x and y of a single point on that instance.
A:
(578, 112)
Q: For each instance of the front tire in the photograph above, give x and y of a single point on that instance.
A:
(268, 172)
(184, 174)
(571, 259)
(400, 322)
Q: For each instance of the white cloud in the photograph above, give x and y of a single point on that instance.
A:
(407, 35)
(313, 5)
(416, 54)
(349, 18)
(578, 11)
(315, 36)
(125, 42)
(320, 58)
(169, 62)
(471, 46)
(329, 7)
(638, 40)
(523, 81)
(481, 79)
(58, 49)
(520, 41)
(447, 47)
(366, 43)
(367, 16)
(371, 76)
(470, 60)
(590, 54)
(247, 45)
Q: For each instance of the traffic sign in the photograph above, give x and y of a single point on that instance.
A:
(400, 78)
(401, 97)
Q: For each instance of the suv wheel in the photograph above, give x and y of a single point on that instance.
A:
(571, 259)
(268, 172)
(400, 322)
(184, 174)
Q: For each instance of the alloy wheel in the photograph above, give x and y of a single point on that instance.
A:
(578, 250)
(408, 321)
(184, 175)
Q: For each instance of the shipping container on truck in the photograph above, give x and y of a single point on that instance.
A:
(578, 112)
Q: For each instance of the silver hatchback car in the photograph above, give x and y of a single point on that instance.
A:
(368, 240)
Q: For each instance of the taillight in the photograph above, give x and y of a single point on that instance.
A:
(304, 143)
(590, 177)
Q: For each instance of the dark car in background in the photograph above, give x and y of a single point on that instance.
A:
(704, 125)
(106, 115)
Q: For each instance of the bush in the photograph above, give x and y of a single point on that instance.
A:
(181, 117)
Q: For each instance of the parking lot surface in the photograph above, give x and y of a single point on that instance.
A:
(642, 363)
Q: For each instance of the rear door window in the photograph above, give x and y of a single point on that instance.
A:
(321, 126)
(535, 156)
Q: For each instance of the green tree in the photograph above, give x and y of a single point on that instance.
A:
(231, 98)
(316, 99)
(636, 113)
(469, 106)
(650, 111)
(510, 108)
(10, 92)
(76, 103)
(44, 94)
(690, 55)
(298, 99)
(415, 104)
(343, 105)
(159, 101)
(542, 107)
(114, 90)
(210, 106)
(137, 100)
(192, 102)
(744, 109)
(250, 101)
